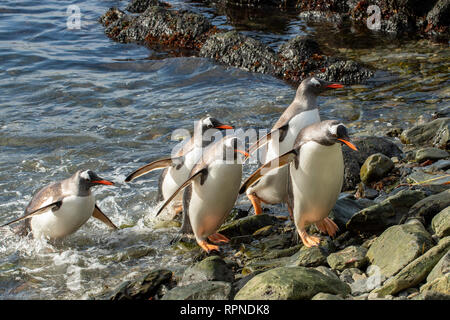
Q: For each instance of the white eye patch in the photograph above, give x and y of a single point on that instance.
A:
(85, 175)
(208, 122)
(315, 82)
(333, 129)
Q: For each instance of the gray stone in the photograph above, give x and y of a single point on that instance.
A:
(430, 154)
(205, 290)
(326, 296)
(438, 288)
(290, 283)
(350, 257)
(440, 269)
(212, 268)
(396, 247)
(416, 271)
(247, 225)
(427, 208)
(375, 167)
(375, 219)
(435, 133)
(327, 271)
(441, 223)
(349, 275)
(143, 288)
(344, 209)
(366, 147)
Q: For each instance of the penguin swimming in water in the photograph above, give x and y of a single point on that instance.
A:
(315, 176)
(62, 207)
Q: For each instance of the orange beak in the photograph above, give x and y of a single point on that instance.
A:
(335, 86)
(349, 144)
(243, 152)
(224, 127)
(106, 182)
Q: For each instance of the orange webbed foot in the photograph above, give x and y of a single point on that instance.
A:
(218, 238)
(331, 227)
(308, 240)
(256, 202)
(207, 246)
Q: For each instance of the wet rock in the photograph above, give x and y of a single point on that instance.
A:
(441, 268)
(427, 208)
(434, 133)
(441, 223)
(430, 154)
(438, 17)
(167, 224)
(344, 209)
(326, 296)
(437, 289)
(399, 245)
(349, 275)
(419, 176)
(366, 147)
(139, 6)
(416, 271)
(438, 166)
(309, 257)
(345, 71)
(144, 288)
(290, 283)
(235, 49)
(212, 268)
(247, 225)
(375, 219)
(375, 167)
(327, 271)
(205, 290)
(350, 257)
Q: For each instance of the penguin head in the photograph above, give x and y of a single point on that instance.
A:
(87, 179)
(212, 123)
(337, 133)
(315, 86)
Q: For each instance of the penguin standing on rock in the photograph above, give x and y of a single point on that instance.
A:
(315, 176)
(61, 208)
(177, 169)
(303, 111)
(210, 192)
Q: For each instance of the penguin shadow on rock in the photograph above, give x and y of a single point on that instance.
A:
(61, 208)
(315, 176)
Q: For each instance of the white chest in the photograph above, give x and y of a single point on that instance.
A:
(74, 212)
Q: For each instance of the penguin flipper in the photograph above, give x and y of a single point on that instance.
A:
(98, 214)
(199, 173)
(53, 206)
(275, 163)
(158, 164)
(265, 139)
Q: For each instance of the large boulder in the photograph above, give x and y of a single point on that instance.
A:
(290, 283)
(441, 223)
(350, 257)
(247, 225)
(434, 133)
(416, 271)
(399, 245)
(212, 268)
(375, 167)
(427, 208)
(375, 219)
(441, 268)
(366, 147)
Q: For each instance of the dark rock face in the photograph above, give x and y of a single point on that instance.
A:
(139, 6)
(144, 288)
(366, 147)
(182, 30)
(235, 49)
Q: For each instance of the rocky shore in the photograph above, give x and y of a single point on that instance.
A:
(181, 32)
(393, 242)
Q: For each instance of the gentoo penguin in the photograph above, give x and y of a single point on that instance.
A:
(303, 111)
(62, 207)
(315, 176)
(210, 192)
(177, 168)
